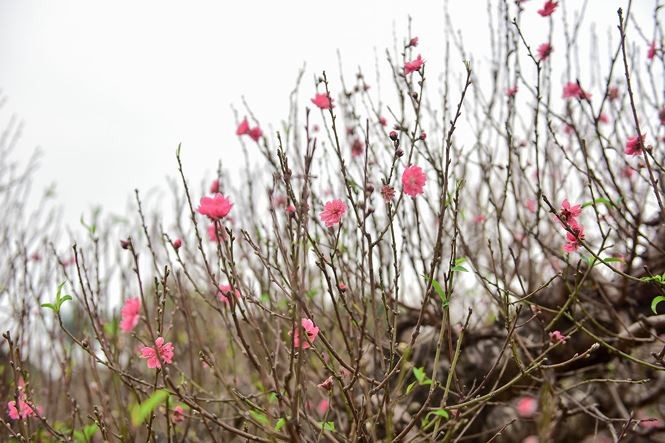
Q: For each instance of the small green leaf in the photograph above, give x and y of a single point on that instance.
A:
(260, 417)
(49, 306)
(410, 387)
(419, 373)
(460, 260)
(141, 411)
(655, 301)
(280, 424)
(459, 268)
(327, 426)
(599, 200)
(439, 412)
(440, 292)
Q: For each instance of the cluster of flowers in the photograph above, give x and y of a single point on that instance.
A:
(575, 234)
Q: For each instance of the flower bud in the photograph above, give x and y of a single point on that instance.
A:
(393, 135)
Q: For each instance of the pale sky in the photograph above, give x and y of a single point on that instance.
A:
(109, 89)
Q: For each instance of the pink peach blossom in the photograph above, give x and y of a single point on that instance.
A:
(224, 292)
(215, 207)
(323, 101)
(574, 239)
(634, 145)
(573, 90)
(243, 127)
(510, 92)
(651, 53)
(413, 65)
(544, 51)
(548, 8)
(526, 406)
(323, 406)
(255, 133)
(332, 212)
(310, 330)
(326, 384)
(131, 314)
(558, 337)
(413, 180)
(178, 415)
(162, 352)
(569, 213)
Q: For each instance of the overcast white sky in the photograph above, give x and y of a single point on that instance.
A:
(108, 89)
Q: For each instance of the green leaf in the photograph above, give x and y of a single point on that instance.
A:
(459, 261)
(410, 387)
(655, 301)
(440, 292)
(459, 268)
(111, 327)
(439, 413)
(141, 411)
(327, 426)
(260, 417)
(48, 305)
(280, 424)
(599, 200)
(85, 435)
(419, 373)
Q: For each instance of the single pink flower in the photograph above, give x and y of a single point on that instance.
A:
(323, 101)
(383, 121)
(413, 180)
(326, 384)
(413, 65)
(510, 92)
(573, 90)
(243, 127)
(478, 219)
(388, 193)
(178, 415)
(214, 187)
(310, 330)
(413, 42)
(177, 243)
(531, 205)
(224, 292)
(558, 337)
(574, 238)
(290, 209)
(215, 207)
(544, 51)
(162, 352)
(526, 406)
(131, 313)
(634, 145)
(323, 406)
(627, 172)
(548, 8)
(651, 53)
(569, 213)
(255, 133)
(332, 212)
(423, 135)
(613, 93)
(568, 129)
(357, 148)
